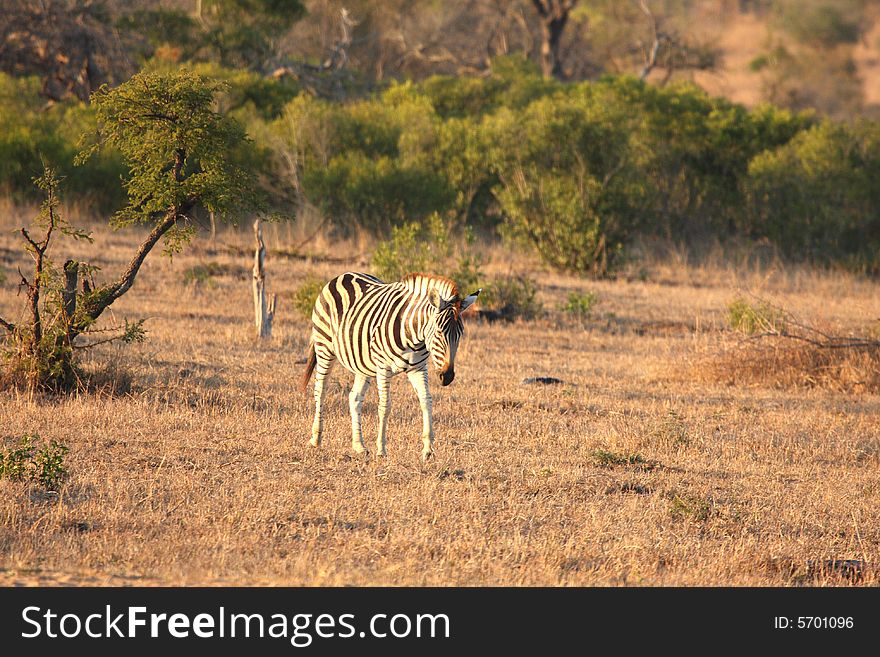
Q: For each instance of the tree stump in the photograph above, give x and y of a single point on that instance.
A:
(264, 308)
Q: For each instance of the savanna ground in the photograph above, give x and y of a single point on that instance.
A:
(637, 470)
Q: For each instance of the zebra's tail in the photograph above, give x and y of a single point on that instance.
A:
(310, 367)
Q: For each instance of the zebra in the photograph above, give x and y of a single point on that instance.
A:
(377, 330)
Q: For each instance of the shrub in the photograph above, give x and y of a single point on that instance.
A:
(202, 275)
(305, 295)
(512, 297)
(689, 506)
(579, 305)
(815, 197)
(755, 318)
(567, 166)
(430, 248)
(609, 459)
(32, 137)
(43, 465)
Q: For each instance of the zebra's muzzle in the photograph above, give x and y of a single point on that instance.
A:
(446, 377)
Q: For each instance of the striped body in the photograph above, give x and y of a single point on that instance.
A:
(377, 330)
(369, 325)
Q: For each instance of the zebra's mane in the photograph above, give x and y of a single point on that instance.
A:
(421, 283)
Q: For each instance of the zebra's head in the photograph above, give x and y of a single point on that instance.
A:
(444, 331)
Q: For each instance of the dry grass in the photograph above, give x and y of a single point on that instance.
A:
(199, 472)
(785, 364)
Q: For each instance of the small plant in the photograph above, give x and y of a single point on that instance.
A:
(513, 297)
(305, 295)
(429, 248)
(751, 319)
(202, 275)
(673, 430)
(28, 462)
(580, 306)
(608, 459)
(468, 271)
(411, 248)
(689, 506)
(49, 464)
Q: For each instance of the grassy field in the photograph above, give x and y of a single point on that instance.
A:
(637, 470)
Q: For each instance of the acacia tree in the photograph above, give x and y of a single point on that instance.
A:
(181, 155)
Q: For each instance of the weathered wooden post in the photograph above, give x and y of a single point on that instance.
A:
(264, 309)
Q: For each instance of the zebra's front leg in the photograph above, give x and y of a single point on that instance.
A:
(355, 405)
(419, 381)
(383, 383)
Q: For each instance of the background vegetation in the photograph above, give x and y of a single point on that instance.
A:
(578, 165)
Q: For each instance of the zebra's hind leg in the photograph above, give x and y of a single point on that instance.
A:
(419, 381)
(325, 360)
(355, 405)
(383, 383)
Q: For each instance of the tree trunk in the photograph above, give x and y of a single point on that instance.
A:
(264, 309)
(68, 296)
(98, 300)
(553, 15)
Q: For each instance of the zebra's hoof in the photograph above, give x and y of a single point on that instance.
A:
(315, 441)
(427, 456)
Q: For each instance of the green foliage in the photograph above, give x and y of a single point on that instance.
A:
(816, 196)
(568, 183)
(751, 318)
(179, 150)
(305, 295)
(574, 171)
(165, 27)
(608, 459)
(824, 23)
(202, 275)
(234, 33)
(469, 273)
(402, 253)
(368, 164)
(33, 136)
(580, 306)
(134, 332)
(512, 297)
(27, 461)
(689, 506)
(242, 32)
(431, 248)
(244, 95)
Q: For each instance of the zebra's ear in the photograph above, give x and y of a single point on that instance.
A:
(434, 298)
(468, 301)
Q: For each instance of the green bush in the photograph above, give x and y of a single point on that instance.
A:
(33, 136)
(431, 248)
(751, 318)
(609, 459)
(569, 187)
(580, 306)
(27, 461)
(816, 197)
(305, 295)
(512, 297)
